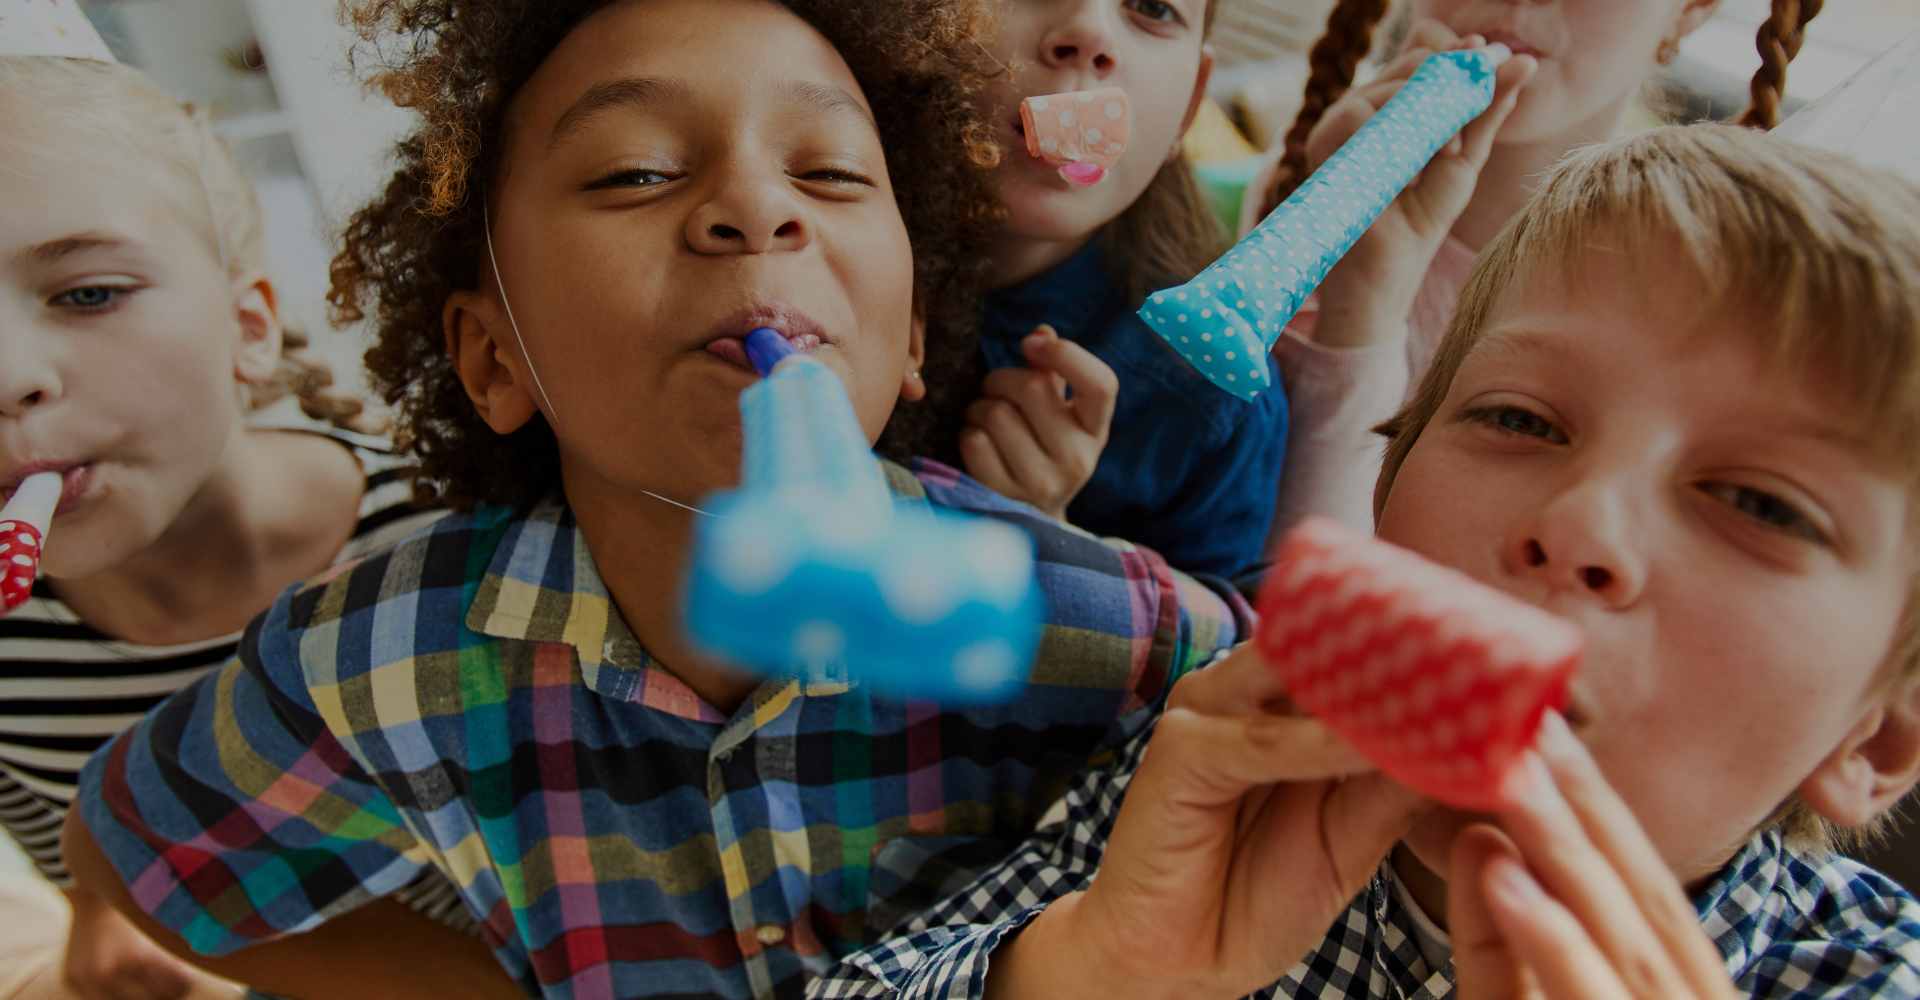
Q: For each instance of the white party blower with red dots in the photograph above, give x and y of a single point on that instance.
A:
(23, 535)
(1439, 679)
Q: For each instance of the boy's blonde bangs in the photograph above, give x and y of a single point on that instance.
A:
(1823, 253)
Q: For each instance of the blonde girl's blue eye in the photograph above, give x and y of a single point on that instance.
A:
(90, 298)
(1768, 510)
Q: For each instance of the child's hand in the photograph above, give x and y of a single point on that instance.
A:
(1237, 844)
(1368, 294)
(108, 958)
(1026, 438)
(1572, 901)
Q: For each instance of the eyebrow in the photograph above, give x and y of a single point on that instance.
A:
(825, 98)
(640, 93)
(54, 251)
(1520, 343)
(636, 92)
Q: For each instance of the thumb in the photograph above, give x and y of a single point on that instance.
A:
(1485, 968)
(1366, 815)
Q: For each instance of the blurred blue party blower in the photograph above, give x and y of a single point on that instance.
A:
(1225, 320)
(811, 569)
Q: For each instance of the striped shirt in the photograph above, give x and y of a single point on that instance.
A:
(67, 688)
(472, 701)
(1790, 926)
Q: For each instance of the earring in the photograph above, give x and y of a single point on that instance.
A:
(914, 374)
(1669, 49)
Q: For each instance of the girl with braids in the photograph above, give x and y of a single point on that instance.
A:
(1083, 412)
(1350, 357)
(139, 333)
(601, 200)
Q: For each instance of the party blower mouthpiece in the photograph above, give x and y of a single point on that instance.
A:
(23, 536)
(1226, 319)
(811, 569)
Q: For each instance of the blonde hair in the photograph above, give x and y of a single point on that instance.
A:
(114, 105)
(1828, 247)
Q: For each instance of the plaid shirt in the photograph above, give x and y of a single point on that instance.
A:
(1789, 926)
(471, 700)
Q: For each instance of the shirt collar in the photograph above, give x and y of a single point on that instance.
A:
(1070, 296)
(1739, 908)
(541, 586)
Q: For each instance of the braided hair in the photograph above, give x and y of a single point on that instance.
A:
(1349, 37)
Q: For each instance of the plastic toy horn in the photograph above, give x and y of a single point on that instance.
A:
(23, 535)
(1225, 320)
(811, 569)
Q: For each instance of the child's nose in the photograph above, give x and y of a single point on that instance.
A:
(1083, 41)
(26, 382)
(1581, 542)
(749, 219)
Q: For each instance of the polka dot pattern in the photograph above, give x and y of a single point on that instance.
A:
(1084, 126)
(19, 562)
(1248, 296)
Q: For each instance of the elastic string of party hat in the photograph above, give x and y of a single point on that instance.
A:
(493, 262)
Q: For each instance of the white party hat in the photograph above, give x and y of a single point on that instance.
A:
(49, 28)
(1873, 117)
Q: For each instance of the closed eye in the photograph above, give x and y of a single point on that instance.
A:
(1518, 421)
(1768, 510)
(640, 178)
(837, 176)
(1156, 10)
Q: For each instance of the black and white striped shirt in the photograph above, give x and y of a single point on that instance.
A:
(67, 688)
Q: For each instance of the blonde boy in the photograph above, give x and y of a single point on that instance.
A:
(1678, 406)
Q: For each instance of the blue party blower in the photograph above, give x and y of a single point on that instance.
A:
(1226, 320)
(811, 569)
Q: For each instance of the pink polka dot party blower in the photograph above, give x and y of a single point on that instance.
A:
(1083, 133)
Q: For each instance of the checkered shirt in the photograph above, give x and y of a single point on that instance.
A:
(1790, 927)
(472, 701)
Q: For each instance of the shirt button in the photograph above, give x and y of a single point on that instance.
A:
(770, 935)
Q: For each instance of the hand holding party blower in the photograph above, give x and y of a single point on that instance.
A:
(1226, 320)
(23, 535)
(811, 568)
(1440, 680)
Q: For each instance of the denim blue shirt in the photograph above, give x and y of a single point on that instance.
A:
(1189, 471)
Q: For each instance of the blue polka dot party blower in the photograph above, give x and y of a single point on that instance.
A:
(1226, 320)
(811, 569)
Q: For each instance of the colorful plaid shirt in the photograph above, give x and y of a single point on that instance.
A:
(472, 701)
(1790, 927)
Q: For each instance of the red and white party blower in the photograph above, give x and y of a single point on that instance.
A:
(1439, 679)
(23, 536)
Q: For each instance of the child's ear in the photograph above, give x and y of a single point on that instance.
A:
(470, 322)
(1875, 765)
(913, 387)
(256, 310)
(1199, 97)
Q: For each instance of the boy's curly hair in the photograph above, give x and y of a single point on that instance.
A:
(458, 64)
